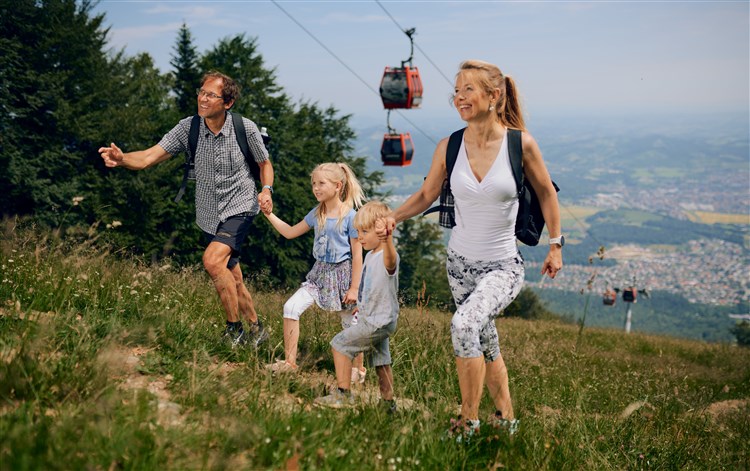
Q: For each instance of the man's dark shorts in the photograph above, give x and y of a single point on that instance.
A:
(233, 233)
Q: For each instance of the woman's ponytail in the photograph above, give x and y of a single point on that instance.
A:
(510, 113)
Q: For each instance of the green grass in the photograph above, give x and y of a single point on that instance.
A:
(108, 363)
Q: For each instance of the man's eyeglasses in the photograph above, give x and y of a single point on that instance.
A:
(201, 92)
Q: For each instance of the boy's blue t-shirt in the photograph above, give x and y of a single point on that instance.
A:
(332, 244)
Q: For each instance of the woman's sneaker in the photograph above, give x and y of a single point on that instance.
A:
(497, 421)
(358, 377)
(461, 430)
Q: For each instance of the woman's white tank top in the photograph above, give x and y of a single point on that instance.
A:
(485, 211)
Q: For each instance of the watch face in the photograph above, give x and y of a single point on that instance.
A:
(558, 240)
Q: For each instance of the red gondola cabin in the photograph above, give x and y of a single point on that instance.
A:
(401, 87)
(609, 298)
(397, 149)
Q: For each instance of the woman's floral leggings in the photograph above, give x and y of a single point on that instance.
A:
(481, 290)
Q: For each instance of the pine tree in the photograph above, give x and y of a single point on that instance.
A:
(422, 267)
(186, 73)
(53, 67)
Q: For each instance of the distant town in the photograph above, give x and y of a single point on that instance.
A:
(704, 271)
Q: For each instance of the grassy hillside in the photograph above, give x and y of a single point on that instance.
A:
(112, 364)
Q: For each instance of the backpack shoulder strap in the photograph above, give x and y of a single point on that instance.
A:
(241, 134)
(515, 152)
(451, 154)
(195, 126)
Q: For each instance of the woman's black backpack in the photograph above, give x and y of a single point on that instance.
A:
(529, 221)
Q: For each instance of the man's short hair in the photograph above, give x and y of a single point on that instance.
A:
(230, 90)
(369, 213)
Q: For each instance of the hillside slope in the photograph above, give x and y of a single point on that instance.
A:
(108, 364)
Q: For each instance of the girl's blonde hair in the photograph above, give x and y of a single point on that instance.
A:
(369, 213)
(489, 76)
(351, 194)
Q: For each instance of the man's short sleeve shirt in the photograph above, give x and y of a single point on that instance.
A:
(224, 185)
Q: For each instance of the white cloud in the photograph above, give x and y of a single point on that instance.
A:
(123, 36)
(188, 11)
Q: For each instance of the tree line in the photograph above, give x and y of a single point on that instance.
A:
(65, 93)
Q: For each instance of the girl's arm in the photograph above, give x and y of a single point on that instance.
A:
(290, 232)
(536, 172)
(351, 294)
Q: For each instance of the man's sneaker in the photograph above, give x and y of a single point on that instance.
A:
(258, 334)
(335, 400)
(389, 407)
(358, 377)
(497, 421)
(281, 366)
(234, 337)
(461, 430)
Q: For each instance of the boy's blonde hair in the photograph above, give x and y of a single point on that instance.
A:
(351, 194)
(369, 213)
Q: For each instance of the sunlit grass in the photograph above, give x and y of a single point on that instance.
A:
(108, 363)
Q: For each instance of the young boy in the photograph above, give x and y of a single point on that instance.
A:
(377, 306)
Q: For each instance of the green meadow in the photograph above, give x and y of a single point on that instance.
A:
(108, 363)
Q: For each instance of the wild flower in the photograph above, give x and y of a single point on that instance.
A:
(77, 200)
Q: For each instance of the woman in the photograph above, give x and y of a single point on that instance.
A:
(485, 269)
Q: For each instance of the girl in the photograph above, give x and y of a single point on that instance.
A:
(334, 279)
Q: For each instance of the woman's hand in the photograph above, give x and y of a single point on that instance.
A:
(553, 262)
(384, 227)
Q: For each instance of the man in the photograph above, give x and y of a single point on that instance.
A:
(226, 200)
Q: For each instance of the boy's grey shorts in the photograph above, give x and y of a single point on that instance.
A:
(365, 337)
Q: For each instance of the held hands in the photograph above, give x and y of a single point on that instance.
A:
(552, 263)
(112, 155)
(384, 228)
(351, 297)
(266, 202)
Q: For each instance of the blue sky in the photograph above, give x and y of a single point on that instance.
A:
(597, 58)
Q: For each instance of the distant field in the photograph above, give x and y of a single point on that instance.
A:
(650, 174)
(707, 217)
(573, 219)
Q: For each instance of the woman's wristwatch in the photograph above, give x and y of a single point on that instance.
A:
(557, 240)
(270, 188)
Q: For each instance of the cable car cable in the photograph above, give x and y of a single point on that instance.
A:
(347, 67)
(450, 82)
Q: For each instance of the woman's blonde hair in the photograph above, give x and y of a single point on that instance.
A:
(489, 76)
(369, 213)
(351, 194)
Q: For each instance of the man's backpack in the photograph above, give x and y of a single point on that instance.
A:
(529, 221)
(239, 133)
